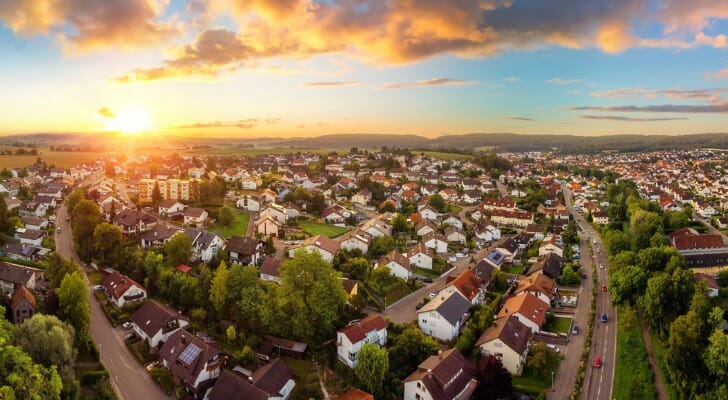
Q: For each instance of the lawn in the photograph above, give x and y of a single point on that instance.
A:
(514, 269)
(426, 272)
(531, 383)
(238, 227)
(559, 325)
(632, 375)
(330, 231)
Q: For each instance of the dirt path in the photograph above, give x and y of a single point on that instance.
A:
(659, 386)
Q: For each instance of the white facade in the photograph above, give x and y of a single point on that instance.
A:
(440, 246)
(348, 352)
(512, 361)
(421, 260)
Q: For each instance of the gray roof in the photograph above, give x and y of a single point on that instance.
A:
(452, 306)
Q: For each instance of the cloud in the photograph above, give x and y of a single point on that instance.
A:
(427, 83)
(559, 81)
(717, 41)
(105, 112)
(95, 24)
(630, 119)
(713, 95)
(691, 15)
(242, 124)
(662, 108)
(511, 79)
(330, 83)
(722, 74)
(520, 119)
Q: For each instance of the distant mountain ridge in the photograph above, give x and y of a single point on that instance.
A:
(499, 142)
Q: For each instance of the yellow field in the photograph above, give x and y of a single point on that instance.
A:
(60, 159)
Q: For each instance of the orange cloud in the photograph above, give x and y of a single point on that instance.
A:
(116, 23)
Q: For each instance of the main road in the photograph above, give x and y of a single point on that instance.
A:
(598, 382)
(129, 379)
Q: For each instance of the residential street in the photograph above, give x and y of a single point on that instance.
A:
(711, 228)
(129, 379)
(598, 382)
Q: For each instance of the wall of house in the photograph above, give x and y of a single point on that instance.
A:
(511, 360)
(412, 389)
(433, 324)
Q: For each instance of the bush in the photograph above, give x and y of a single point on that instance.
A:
(163, 378)
(90, 378)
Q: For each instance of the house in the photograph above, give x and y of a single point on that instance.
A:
(325, 246)
(549, 265)
(205, 245)
(528, 308)
(249, 203)
(273, 381)
(484, 271)
(280, 347)
(355, 240)
(713, 287)
(34, 223)
(445, 376)
(171, 207)
(397, 263)
(270, 270)
(334, 215)
(354, 394)
(22, 304)
(362, 197)
(424, 227)
(122, 290)
(453, 221)
(155, 323)
(421, 256)
(195, 217)
(267, 226)
(192, 362)
(443, 316)
(275, 211)
(435, 241)
(20, 251)
(429, 213)
(244, 250)
(454, 235)
(249, 183)
(158, 236)
(469, 285)
(12, 276)
(496, 258)
(350, 339)
(32, 237)
(549, 245)
(600, 218)
(539, 285)
(486, 233)
(507, 339)
(132, 222)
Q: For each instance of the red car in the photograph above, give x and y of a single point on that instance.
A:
(604, 288)
(597, 362)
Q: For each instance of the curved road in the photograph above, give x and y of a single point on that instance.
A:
(129, 379)
(598, 382)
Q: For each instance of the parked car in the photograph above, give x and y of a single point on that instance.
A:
(597, 362)
(130, 336)
(427, 280)
(604, 288)
(99, 288)
(575, 330)
(126, 325)
(604, 318)
(153, 364)
(554, 347)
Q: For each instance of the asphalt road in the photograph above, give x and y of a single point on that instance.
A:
(129, 379)
(598, 382)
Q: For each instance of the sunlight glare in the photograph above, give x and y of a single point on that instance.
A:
(131, 121)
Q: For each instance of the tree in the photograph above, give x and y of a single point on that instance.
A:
(230, 333)
(356, 267)
(85, 217)
(372, 366)
(107, 243)
(73, 305)
(668, 296)
(499, 280)
(409, 349)
(57, 269)
(311, 295)
(494, 381)
(723, 278)
(627, 284)
(20, 378)
(542, 359)
(318, 203)
(643, 225)
(4, 216)
(73, 199)
(225, 216)
(156, 195)
(400, 224)
(177, 250)
(49, 342)
(380, 246)
(716, 355)
(219, 290)
(683, 355)
(617, 242)
(437, 202)
(568, 276)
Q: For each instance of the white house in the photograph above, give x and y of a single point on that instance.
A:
(351, 338)
(205, 245)
(445, 376)
(195, 216)
(272, 381)
(325, 246)
(192, 361)
(155, 324)
(454, 221)
(171, 207)
(420, 256)
(248, 203)
(436, 242)
(506, 339)
(528, 308)
(356, 240)
(122, 290)
(397, 263)
(443, 316)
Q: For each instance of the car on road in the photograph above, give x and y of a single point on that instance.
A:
(597, 362)
(126, 325)
(604, 318)
(554, 347)
(594, 241)
(604, 288)
(583, 275)
(601, 266)
(58, 230)
(99, 288)
(68, 218)
(427, 280)
(575, 330)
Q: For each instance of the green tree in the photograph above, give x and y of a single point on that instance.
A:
(400, 224)
(311, 295)
(409, 349)
(219, 289)
(667, 296)
(617, 242)
(177, 250)
(57, 269)
(156, 195)
(225, 216)
(85, 217)
(684, 352)
(569, 277)
(73, 199)
(372, 366)
(643, 225)
(542, 360)
(356, 267)
(73, 305)
(230, 333)
(437, 202)
(20, 378)
(107, 243)
(627, 284)
(380, 246)
(716, 355)
(499, 280)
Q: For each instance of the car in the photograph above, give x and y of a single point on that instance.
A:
(419, 305)
(427, 280)
(583, 275)
(594, 241)
(126, 325)
(99, 288)
(597, 362)
(432, 295)
(152, 365)
(68, 218)
(604, 318)
(554, 347)
(604, 288)
(601, 266)
(575, 330)
(58, 230)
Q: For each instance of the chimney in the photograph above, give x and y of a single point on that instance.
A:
(439, 354)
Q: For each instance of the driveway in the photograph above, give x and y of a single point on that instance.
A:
(129, 379)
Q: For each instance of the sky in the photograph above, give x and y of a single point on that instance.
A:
(279, 68)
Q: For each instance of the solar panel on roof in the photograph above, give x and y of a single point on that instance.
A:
(190, 354)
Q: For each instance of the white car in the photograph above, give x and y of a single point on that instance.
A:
(554, 348)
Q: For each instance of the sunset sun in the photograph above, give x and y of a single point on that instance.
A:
(131, 121)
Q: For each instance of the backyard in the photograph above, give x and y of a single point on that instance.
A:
(532, 383)
(238, 227)
(330, 231)
(558, 325)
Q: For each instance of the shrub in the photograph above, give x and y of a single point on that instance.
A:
(90, 378)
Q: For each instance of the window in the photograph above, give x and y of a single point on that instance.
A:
(352, 356)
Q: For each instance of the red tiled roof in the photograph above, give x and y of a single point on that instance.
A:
(185, 269)
(358, 330)
(697, 242)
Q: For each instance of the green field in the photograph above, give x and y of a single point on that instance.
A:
(559, 325)
(238, 227)
(330, 231)
(444, 156)
(632, 375)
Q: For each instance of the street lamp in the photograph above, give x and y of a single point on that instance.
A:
(552, 379)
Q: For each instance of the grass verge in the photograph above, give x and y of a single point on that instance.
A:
(633, 378)
(658, 347)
